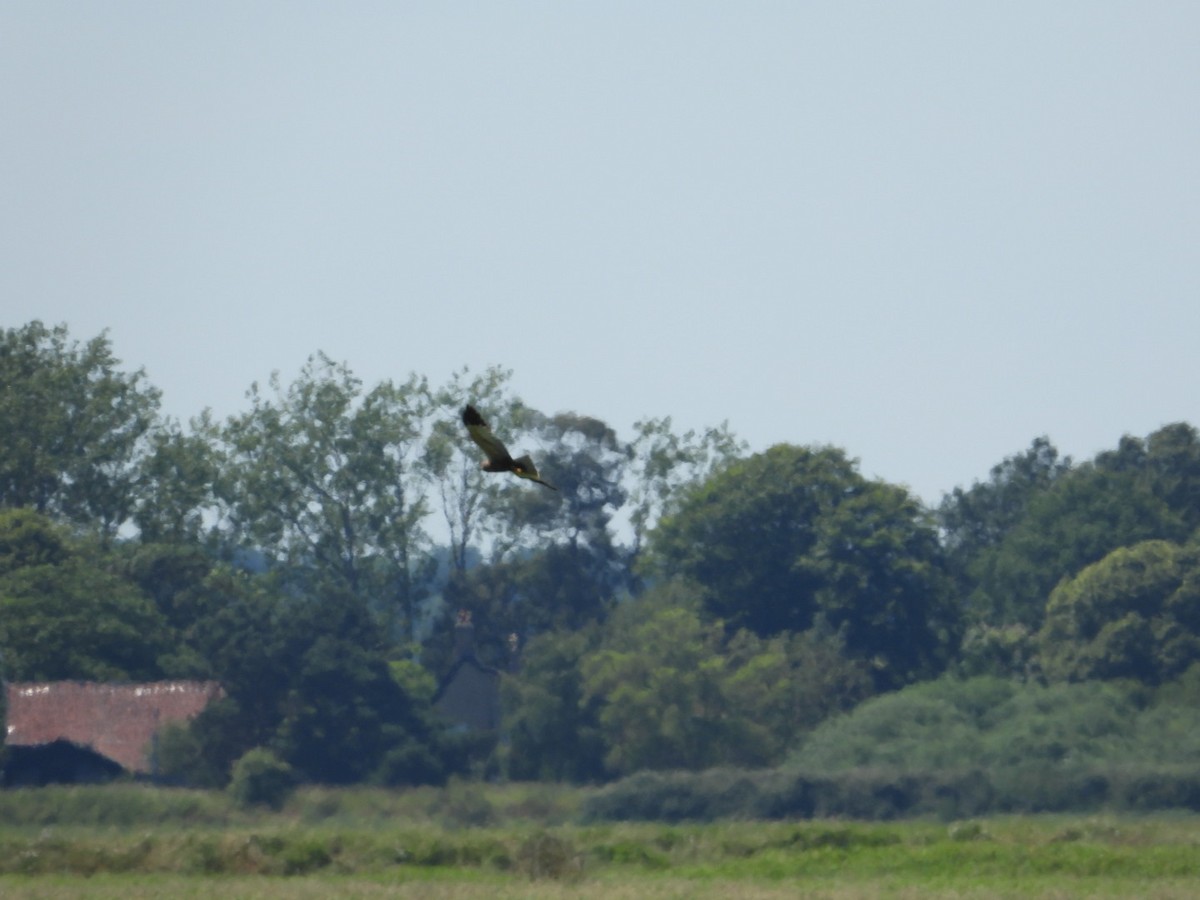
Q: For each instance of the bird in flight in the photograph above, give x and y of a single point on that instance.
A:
(498, 457)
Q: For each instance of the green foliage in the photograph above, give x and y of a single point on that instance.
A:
(1022, 734)
(663, 463)
(1082, 518)
(326, 480)
(795, 535)
(554, 733)
(1002, 651)
(309, 679)
(548, 855)
(284, 552)
(977, 519)
(115, 807)
(661, 676)
(564, 587)
(74, 427)
(176, 477)
(674, 692)
(469, 499)
(463, 804)
(132, 841)
(343, 711)
(260, 778)
(1066, 520)
(929, 726)
(180, 757)
(64, 614)
(1133, 614)
(741, 532)
(768, 794)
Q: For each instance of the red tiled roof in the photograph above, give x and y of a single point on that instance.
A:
(116, 720)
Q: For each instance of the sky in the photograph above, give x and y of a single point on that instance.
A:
(924, 232)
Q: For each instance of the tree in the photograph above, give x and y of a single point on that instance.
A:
(785, 685)
(65, 615)
(175, 484)
(243, 629)
(583, 458)
(660, 677)
(662, 463)
(74, 425)
(794, 534)
(1133, 614)
(343, 711)
(554, 564)
(672, 691)
(1167, 464)
(325, 479)
(451, 461)
(307, 678)
(1085, 515)
(1067, 518)
(554, 733)
(977, 519)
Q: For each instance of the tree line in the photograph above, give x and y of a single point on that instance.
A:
(682, 604)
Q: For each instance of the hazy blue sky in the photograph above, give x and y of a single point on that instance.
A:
(924, 232)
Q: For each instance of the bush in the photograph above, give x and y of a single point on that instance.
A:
(884, 794)
(260, 778)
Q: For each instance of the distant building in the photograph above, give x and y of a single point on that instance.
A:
(115, 722)
(469, 694)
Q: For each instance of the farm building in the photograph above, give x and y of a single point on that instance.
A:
(115, 722)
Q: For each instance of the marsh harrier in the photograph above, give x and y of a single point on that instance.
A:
(498, 457)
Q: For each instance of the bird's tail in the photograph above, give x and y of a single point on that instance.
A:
(523, 467)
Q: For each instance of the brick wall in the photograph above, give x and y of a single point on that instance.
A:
(116, 720)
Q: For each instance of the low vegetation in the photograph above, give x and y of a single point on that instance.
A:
(129, 840)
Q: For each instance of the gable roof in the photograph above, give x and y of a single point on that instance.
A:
(470, 695)
(116, 720)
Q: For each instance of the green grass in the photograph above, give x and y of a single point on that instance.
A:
(129, 842)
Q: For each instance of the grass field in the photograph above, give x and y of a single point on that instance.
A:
(127, 843)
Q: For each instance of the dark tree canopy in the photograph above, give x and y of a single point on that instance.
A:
(1134, 614)
(794, 534)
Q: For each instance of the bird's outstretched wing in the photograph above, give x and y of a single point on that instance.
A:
(498, 457)
(481, 434)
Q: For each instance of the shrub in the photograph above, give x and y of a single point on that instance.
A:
(260, 778)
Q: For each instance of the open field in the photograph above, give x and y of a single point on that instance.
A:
(130, 843)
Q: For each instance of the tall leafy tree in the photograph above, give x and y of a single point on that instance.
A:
(1144, 489)
(64, 612)
(977, 518)
(784, 538)
(326, 478)
(467, 497)
(307, 678)
(1167, 464)
(1088, 513)
(1133, 614)
(554, 564)
(669, 690)
(343, 712)
(660, 678)
(662, 462)
(553, 732)
(75, 426)
(175, 499)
